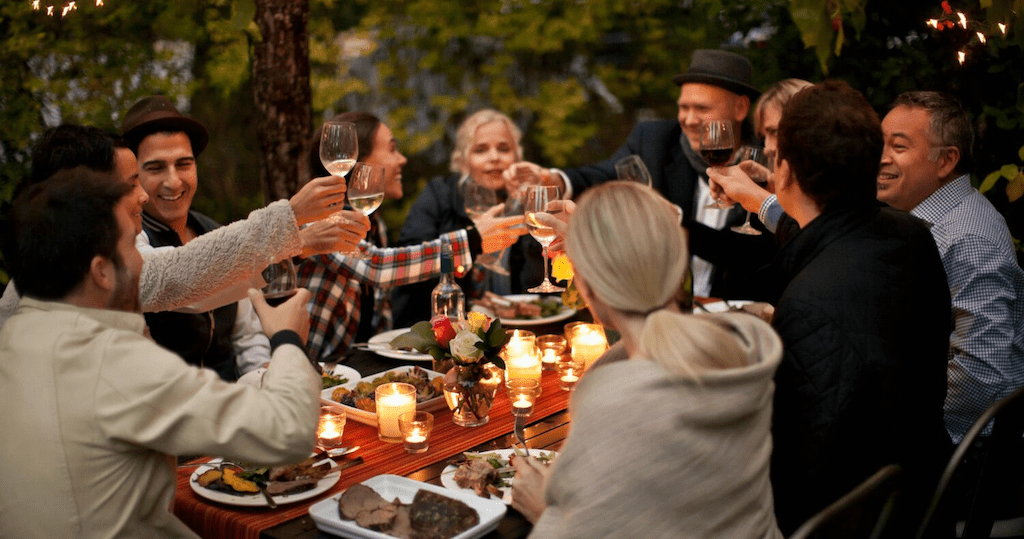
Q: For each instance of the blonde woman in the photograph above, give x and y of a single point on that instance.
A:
(673, 439)
(486, 144)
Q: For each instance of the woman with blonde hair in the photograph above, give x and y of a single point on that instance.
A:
(673, 440)
(486, 144)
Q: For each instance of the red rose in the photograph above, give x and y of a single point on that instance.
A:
(443, 330)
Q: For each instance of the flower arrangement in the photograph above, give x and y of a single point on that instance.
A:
(465, 350)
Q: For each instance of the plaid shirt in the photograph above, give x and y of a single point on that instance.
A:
(986, 352)
(336, 280)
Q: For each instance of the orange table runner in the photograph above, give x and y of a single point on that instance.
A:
(214, 520)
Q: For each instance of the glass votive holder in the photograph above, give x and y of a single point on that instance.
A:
(522, 395)
(520, 342)
(393, 399)
(570, 328)
(588, 343)
(330, 428)
(569, 372)
(551, 347)
(416, 427)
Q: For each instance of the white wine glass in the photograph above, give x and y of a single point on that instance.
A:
(339, 147)
(537, 198)
(281, 278)
(717, 145)
(477, 199)
(759, 156)
(633, 168)
(365, 193)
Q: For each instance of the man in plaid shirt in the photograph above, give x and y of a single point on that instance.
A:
(924, 170)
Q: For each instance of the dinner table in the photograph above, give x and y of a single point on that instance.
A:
(546, 428)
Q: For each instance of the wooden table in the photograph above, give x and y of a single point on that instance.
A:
(548, 427)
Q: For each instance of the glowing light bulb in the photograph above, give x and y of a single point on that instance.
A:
(35, 5)
(981, 38)
(1002, 28)
(934, 23)
(961, 56)
(963, 19)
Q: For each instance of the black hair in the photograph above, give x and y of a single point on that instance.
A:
(69, 146)
(55, 228)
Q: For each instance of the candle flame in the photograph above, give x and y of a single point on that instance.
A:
(963, 19)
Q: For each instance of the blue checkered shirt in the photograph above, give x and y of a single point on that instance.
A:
(986, 348)
(336, 280)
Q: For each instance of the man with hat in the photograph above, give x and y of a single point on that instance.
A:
(717, 86)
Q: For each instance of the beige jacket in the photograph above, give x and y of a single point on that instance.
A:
(657, 455)
(210, 271)
(94, 413)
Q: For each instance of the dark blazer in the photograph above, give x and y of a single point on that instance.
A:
(736, 257)
(863, 312)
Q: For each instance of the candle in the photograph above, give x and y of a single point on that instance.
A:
(330, 428)
(416, 427)
(551, 346)
(522, 393)
(568, 379)
(588, 344)
(393, 399)
(526, 366)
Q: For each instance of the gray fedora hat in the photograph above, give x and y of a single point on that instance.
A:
(156, 114)
(720, 68)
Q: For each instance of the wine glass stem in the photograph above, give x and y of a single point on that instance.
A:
(545, 251)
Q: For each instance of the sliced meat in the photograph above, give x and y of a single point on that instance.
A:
(477, 475)
(358, 499)
(278, 488)
(435, 516)
(401, 527)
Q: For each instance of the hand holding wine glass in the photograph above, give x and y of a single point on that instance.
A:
(756, 155)
(537, 198)
(339, 147)
(281, 280)
(717, 145)
(479, 199)
(365, 193)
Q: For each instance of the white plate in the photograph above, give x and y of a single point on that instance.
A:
(341, 371)
(720, 306)
(564, 313)
(370, 418)
(325, 512)
(381, 344)
(448, 475)
(257, 500)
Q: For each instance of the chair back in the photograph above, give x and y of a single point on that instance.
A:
(993, 480)
(864, 512)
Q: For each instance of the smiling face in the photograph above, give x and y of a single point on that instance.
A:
(127, 169)
(385, 154)
(907, 176)
(492, 152)
(699, 103)
(167, 171)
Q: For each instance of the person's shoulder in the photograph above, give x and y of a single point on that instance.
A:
(205, 221)
(657, 127)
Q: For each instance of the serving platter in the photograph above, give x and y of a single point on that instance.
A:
(381, 345)
(564, 313)
(257, 499)
(370, 418)
(327, 519)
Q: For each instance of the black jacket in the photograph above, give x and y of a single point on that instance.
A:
(202, 339)
(863, 312)
(737, 257)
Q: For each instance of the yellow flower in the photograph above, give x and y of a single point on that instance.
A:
(561, 268)
(478, 321)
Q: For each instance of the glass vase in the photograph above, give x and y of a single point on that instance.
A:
(469, 391)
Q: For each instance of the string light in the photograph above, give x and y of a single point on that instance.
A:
(66, 9)
(35, 5)
(981, 38)
(70, 7)
(961, 55)
(1002, 28)
(949, 19)
(49, 11)
(963, 19)
(99, 3)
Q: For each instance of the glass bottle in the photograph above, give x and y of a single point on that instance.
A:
(447, 298)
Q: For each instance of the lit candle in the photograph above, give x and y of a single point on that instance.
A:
(330, 429)
(522, 393)
(568, 379)
(526, 366)
(393, 399)
(415, 427)
(551, 346)
(588, 344)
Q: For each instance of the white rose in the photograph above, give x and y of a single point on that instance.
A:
(463, 346)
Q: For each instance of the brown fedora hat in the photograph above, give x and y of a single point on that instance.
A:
(720, 68)
(156, 114)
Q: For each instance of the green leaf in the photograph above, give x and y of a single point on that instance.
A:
(990, 181)
(1009, 171)
(1020, 153)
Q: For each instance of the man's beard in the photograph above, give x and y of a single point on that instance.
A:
(125, 296)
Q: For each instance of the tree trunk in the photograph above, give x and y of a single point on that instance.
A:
(280, 75)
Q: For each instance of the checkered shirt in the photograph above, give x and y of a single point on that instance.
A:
(986, 355)
(336, 280)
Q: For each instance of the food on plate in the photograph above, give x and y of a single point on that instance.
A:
(362, 397)
(488, 473)
(245, 480)
(429, 516)
(523, 310)
(329, 380)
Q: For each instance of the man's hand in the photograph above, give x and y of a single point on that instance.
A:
(336, 234)
(528, 487)
(496, 232)
(318, 199)
(733, 184)
(291, 314)
(527, 173)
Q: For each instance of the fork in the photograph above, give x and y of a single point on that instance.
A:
(520, 434)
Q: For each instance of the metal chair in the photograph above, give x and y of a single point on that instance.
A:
(994, 478)
(851, 515)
